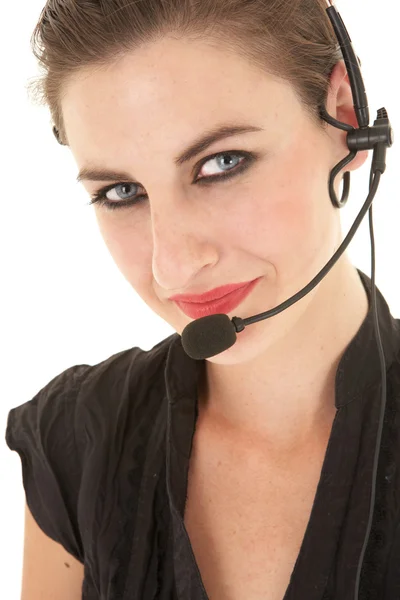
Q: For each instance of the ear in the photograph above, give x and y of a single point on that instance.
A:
(340, 105)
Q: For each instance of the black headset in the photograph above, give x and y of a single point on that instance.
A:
(379, 137)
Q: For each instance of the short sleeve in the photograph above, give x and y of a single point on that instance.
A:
(43, 433)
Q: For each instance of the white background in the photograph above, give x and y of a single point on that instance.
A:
(63, 300)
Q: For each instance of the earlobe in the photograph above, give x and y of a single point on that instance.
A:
(358, 161)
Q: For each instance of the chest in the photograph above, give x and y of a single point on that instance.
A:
(246, 517)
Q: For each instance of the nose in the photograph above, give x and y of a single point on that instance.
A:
(182, 245)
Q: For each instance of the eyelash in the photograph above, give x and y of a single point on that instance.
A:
(249, 158)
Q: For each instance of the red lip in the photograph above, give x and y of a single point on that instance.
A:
(223, 305)
(212, 295)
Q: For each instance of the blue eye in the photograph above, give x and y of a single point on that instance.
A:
(101, 197)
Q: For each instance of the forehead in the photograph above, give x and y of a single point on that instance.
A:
(173, 77)
(168, 93)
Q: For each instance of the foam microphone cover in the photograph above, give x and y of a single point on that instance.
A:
(208, 336)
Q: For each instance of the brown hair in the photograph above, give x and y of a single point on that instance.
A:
(290, 39)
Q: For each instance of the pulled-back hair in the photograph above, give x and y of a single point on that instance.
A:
(290, 39)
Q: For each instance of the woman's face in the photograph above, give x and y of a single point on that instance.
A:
(272, 219)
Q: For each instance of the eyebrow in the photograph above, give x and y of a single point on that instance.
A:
(210, 137)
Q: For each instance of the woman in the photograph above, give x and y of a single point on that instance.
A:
(246, 475)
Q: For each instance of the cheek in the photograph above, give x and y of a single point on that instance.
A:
(286, 223)
(292, 216)
(127, 242)
(270, 222)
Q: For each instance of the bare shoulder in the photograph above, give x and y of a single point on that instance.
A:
(49, 571)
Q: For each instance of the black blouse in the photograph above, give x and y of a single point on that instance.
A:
(105, 455)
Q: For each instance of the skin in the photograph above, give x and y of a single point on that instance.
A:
(274, 221)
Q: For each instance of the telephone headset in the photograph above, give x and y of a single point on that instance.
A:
(211, 335)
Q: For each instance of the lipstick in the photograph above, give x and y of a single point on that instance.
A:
(224, 305)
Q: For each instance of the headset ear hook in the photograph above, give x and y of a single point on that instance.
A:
(339, 203)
